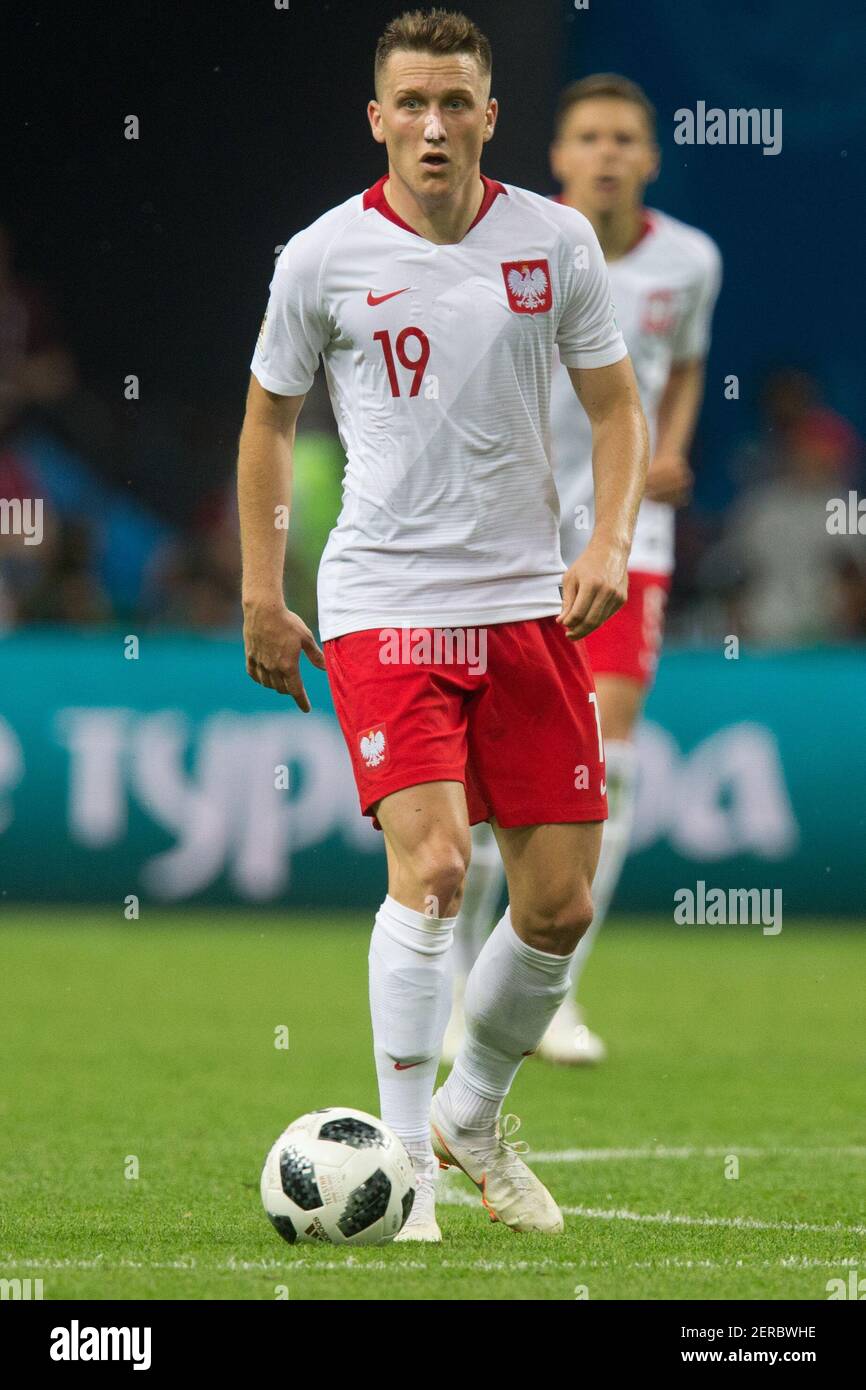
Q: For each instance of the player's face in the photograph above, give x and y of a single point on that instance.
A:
(604, 156)
(434, 114)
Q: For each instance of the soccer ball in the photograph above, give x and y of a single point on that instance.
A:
(339, 1176)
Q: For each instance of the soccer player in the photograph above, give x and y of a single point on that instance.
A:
(665, 278)
(450, 632)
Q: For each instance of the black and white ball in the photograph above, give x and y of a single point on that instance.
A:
(339, 1176)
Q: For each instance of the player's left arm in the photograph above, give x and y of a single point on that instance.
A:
(596, 585)
(670, 477)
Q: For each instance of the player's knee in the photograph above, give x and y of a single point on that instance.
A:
(557, 923)
(440, 870)
(582, 914)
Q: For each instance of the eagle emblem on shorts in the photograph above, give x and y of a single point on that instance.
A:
(372, 747)
(527, 284)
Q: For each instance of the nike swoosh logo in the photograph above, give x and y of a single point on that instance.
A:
(374, 299)
(404, 1066)
(603, 786)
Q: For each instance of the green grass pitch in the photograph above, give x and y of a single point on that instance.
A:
(155, 1039)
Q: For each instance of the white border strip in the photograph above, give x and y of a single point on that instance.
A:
(686, 1151)
(351, 1264)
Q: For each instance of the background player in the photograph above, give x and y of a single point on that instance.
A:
(665, 277)
(437, 299)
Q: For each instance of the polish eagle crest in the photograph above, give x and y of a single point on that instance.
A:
(528, 287)
(373, 747)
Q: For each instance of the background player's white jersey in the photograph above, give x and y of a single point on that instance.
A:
(439, 362)
(664, 291)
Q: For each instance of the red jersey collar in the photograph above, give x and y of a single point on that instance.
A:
(647, 223)
(375, 198)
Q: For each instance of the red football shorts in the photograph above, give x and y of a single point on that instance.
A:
(509, 711)
(629, 643)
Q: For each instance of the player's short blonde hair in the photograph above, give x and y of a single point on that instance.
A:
(604, 84)
(434, 31)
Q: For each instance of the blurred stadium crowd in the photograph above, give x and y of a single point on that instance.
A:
(132, 536)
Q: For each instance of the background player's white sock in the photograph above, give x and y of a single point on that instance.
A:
(483, 885)
(511, 995)
(410, 999)
(621, 773)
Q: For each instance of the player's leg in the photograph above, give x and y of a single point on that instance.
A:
(427, 841)
(536, 759)
(481, 893)
(623, 653)
(620, 702)
(514, 989)
(406, 733)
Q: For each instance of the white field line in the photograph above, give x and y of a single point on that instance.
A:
(665, 1151)
(455, 1198)
(787, 1262)
(351, 1264)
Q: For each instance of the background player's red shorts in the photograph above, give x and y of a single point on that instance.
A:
(517, 725)
(629, 643)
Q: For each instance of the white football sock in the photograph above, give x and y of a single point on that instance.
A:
(483, 885)
(511, 995)
(410, 999)
(621, 772)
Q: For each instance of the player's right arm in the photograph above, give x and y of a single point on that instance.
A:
(669, 478)
(274, 637)
(293, 334)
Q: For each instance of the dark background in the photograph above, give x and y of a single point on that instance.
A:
(252, 124)
(158, 252)
(789, 224)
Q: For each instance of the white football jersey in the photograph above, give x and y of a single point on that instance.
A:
(439, 362)
(664, 291)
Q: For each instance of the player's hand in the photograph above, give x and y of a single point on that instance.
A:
(274, 638)
(669, 479)
(593, 589)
